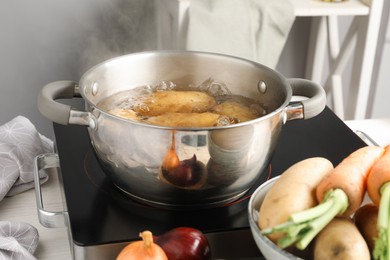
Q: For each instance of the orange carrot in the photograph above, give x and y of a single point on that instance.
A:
(350, 176)
(339, 193)
(379, 175)
(378, 188)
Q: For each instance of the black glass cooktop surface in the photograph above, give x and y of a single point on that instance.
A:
(99, 213)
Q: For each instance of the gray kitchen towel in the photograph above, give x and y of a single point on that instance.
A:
(20, 143)
(18, 241)
(251, 29)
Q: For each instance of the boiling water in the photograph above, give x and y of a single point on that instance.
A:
(138, 104)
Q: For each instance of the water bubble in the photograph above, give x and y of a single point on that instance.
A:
(165, 85)
(142, 107)
(142, 90)
(214, 88)
(226, 120)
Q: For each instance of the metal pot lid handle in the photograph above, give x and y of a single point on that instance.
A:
(61, 113)
(312, 105)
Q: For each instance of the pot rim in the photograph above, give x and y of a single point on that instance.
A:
(283, 81)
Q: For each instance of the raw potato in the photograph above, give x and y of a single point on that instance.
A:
(293, 192)
(236, 110)
(185, 119)
(162, 102)
(340, 240)
(366, 218)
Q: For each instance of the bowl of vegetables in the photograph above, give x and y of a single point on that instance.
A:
(311, 211)
(268, 248)
(276, 200)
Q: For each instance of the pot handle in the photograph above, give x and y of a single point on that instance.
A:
(312, 105)
(47, 218)
(61, 113)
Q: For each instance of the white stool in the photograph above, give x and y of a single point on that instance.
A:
(360, 41)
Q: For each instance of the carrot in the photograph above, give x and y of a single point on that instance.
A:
(351, 176)
(340, 193)
(378, 189)
(379, 175)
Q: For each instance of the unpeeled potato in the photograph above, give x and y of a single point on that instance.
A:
(236, 110)
(366, 218)
(161, 102)
(340, 240)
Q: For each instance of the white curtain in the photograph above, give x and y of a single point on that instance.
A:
(251, 29)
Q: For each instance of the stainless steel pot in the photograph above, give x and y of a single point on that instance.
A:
(229, 159)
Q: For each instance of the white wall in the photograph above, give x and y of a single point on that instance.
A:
(44, 40)
(380, 100)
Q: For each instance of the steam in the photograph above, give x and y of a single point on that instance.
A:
(118, 27)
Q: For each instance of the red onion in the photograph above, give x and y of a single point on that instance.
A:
(184, 243)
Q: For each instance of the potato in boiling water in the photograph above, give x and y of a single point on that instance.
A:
(162, 102)
(185, 119)
(236, 110)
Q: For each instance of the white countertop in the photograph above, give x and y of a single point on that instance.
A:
(377, 129)
(54, 242)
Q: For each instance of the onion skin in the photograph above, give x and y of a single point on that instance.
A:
(144, 249)
(184, 243)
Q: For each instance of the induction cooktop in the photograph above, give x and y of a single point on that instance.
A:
(102, 219)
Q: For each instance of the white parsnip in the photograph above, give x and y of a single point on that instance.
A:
(293, 192)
